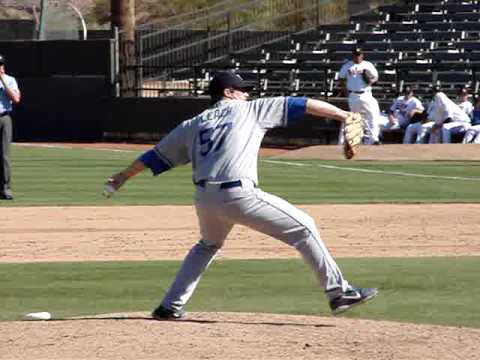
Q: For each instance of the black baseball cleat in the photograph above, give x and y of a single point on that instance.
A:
(352, 297)
(162, 313)
(6, 196)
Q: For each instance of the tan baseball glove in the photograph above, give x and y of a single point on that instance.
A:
(353, 134)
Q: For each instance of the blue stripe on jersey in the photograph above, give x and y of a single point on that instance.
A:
(296, 107)
(152, 161)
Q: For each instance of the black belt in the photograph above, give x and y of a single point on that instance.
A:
(224, 185)
(358, 92)
(5, 113)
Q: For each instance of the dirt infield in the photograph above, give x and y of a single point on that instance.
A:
(167, 232)
(390, 152)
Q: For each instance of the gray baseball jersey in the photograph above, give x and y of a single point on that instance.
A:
(222, 143)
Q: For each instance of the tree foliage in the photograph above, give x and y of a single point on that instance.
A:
(148, 10)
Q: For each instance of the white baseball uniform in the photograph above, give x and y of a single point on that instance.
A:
(419, 132)
(467, 108)
(222, 143)
(472, 135)
(360, 98)
(443, 108)
(402, 107)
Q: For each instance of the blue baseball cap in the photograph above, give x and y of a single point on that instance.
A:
(227, 80)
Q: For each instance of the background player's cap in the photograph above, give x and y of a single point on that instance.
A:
(408, 89)
(226, 80)
(434, 89)
(357, 51)
(2, 60)
(463, 91)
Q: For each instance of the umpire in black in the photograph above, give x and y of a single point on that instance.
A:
(9, 95)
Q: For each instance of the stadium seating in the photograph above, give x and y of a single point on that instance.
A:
(275, 82)
(419, 43)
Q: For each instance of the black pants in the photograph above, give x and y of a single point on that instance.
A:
(5, 139)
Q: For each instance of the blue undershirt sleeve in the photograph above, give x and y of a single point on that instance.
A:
(296, 108)
(154, 162)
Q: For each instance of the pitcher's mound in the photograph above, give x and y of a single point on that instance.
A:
(234, 336)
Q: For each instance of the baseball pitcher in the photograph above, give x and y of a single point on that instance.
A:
(222, 144)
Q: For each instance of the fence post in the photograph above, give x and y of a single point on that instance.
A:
(325, 82)
(206, 50)
(123, 16)
(116, 62)
(397, 78)
(139, 64)
(474, 82)
(41, 26)
(229, 32)
(195, 83)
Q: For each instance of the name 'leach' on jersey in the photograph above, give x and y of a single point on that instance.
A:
(223, 141)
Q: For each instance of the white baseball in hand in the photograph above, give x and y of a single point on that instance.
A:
(108, 190)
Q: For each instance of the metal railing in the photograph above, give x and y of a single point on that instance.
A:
(194, 80)
(214, 33)
(210, 37)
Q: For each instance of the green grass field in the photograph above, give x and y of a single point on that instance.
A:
(428, 290)
(49, 176)
(422, 290)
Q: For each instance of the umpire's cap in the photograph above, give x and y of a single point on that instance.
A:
(227, 80)
(2, 60)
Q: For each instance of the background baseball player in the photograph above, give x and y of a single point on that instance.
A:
(448, 118)
(9, 94)
(404, 108)
(464, 102)
(419, 132)
(472, 135)
(222, 143)
(356, 77)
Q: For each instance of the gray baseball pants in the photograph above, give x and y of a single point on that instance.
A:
(219, 209)
(6, 139)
